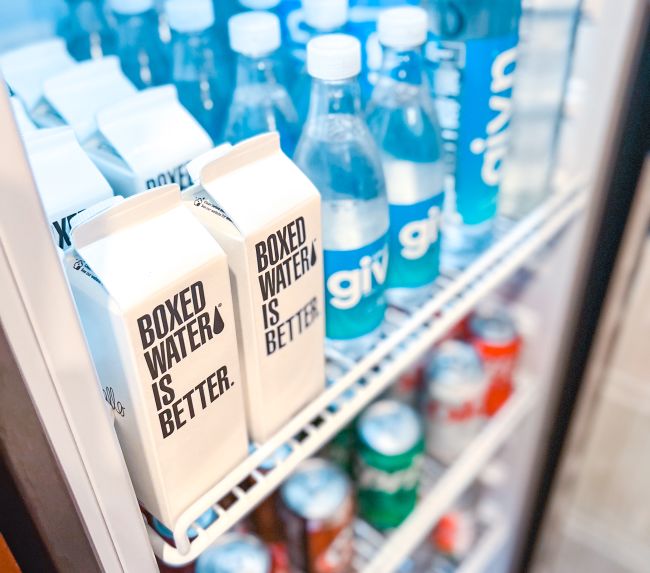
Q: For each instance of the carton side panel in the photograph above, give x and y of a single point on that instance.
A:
(102, 329)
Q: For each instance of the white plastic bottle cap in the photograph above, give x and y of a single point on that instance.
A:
(326, 14)
(130, 7)
(403, 27)
(189, 15)
(334, 57)
(259, 4)
(254, 33)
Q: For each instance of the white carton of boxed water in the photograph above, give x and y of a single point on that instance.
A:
(146, 141)
(67, 180)
(27, 68)
(77, 94)
(153, 292)
(265, 213)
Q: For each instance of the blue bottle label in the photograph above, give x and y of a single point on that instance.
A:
(473, 83)
(414, 243)
(355, 300)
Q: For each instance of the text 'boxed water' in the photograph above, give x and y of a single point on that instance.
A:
(265, 213)
(153, 291)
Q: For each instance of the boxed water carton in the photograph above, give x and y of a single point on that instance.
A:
(265, 213)
(146, 141)
(75, 95)
(153, 291)
(27, 68)
(67, 180)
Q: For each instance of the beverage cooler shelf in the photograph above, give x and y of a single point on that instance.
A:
(440, 488)
(407, 337)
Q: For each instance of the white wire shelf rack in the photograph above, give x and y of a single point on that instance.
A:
(407, 337)
(442, 488)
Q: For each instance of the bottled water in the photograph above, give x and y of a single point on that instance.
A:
(402, 119)
(279, 8)
(316, 18)
(260, 102)
(363, 25)
(198, 69)
(474, 53)
(338, 154)
(141, 51)
(86, 30)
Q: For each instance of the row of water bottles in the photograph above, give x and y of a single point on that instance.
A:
(398, 115)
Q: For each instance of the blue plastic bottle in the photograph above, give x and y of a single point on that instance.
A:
(316, 18)
(338, 154)
(141, 51)
(475, 56)
(403, 121)
(363, 25)
(86, 30)
(198, 69)
(260, 102)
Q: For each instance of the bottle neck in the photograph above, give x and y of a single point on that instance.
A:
(405, 66)
(334, 97)
(258, 70)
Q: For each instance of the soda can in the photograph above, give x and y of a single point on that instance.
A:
(388, 463)
(265, 518)
(204, 520)
(494, 334)
(235, 553)
(340, 448)
(318, 513)
(453, 403)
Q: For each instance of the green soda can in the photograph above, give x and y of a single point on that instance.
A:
(388, 463)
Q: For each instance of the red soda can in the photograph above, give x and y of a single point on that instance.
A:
(318, 513)
(496, 339)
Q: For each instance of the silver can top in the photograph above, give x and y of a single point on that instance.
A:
(316, 490)
(455, 373)
(235, 553)
(390, 427)
(493, 323)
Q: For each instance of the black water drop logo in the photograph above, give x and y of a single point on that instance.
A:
(314, 257)
(78, 264)
(218, 321)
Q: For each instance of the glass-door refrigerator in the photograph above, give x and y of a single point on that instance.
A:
(432, 446)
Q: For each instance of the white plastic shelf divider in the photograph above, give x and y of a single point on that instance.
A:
(407, 337)
(452, 483)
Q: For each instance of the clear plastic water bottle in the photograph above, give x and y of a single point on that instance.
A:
(141, 51)
(86, 31)
(402, 118)
(260, 102)
(338, 154)
(317, 17)
(363, 25)
(474, 53)
(198, 69)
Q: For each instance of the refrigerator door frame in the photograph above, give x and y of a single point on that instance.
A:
(46, 341)
(613, 222)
